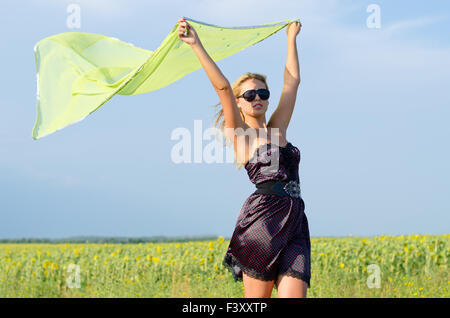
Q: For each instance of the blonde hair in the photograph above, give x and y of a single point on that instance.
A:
(236, 88)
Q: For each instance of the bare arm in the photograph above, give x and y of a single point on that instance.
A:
(218, 80)
(282, 115)
(292, 69)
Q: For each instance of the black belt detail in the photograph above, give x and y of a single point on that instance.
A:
(281, 188)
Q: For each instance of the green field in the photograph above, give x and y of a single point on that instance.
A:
(409, 266)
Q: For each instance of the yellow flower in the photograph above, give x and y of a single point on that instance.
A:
(138, 257)
(95, 257)
(148, 258)
(155, 260)
(177, 245)
(125, 259)
(76, 252)
(211, 246)
(341, 265)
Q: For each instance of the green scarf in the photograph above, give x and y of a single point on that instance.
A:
(79, 72)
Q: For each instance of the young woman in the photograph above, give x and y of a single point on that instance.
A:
(270, 244)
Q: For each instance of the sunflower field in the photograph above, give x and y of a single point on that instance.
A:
(381, 266)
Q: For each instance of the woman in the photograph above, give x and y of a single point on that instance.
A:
(270, 244)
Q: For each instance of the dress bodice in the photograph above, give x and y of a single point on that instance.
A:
(272, 162)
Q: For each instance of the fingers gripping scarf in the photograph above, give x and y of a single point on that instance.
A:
(79, 72)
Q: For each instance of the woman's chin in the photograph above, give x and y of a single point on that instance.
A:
(259, 111)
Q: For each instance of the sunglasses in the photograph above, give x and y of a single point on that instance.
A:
(250, 95)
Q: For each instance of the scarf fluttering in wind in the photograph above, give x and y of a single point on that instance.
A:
(79, 72)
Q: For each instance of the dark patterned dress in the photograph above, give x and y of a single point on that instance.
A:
(271, 236)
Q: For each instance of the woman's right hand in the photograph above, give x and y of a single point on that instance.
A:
(192, 37)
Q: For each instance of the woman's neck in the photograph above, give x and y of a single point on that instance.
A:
(257, 122)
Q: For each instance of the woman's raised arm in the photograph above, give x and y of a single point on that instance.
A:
(218, 80)
(283, 113)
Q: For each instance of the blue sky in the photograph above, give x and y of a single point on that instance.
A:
(371, 122)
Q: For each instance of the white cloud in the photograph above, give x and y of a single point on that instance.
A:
(54, 178)
(408, 24)
(102, 8)
(251, 12)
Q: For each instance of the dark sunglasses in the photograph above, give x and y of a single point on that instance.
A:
(250, 95)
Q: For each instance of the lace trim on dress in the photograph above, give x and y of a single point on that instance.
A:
(298, 275)
(230, 261)
(269, 145)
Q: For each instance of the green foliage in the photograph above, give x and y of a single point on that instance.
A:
(410, 266)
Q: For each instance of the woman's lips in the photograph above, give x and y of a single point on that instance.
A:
(257, 106)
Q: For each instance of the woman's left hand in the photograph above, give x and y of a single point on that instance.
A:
(293, 28)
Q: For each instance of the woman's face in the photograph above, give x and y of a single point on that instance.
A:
(256, 107)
